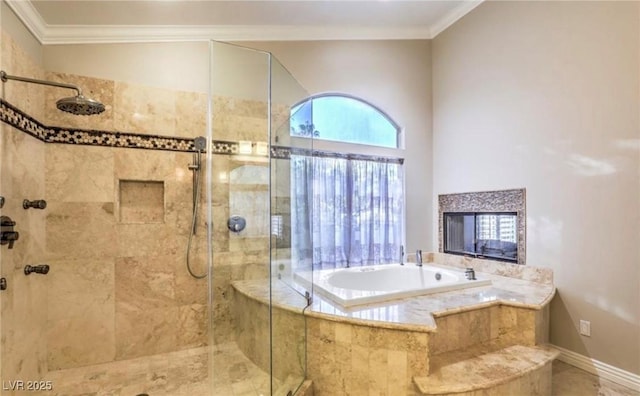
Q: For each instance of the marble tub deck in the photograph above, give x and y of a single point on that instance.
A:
(414, 313)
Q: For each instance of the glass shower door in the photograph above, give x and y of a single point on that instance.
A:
(288, 341)
(240, 220)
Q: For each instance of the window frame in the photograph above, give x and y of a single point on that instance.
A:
(399, 130)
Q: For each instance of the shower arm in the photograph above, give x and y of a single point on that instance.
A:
(4, 77)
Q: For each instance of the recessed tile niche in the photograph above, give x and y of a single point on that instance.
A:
(141, 201)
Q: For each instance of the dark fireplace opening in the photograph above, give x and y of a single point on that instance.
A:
(491, 235)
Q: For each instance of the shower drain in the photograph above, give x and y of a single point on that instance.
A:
(142, 394)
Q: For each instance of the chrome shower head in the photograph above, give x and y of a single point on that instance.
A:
(78, 105)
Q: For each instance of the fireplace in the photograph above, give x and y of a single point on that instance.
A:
(491, 235)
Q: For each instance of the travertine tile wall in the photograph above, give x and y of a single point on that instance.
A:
(119, 289)
(501, 325)
(23, 304)
(130, 107)
(285, 352)
(357, 360)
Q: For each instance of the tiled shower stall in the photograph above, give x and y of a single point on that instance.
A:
(118, 302)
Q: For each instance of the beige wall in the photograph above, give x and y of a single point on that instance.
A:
(181, 66)
(393, 75)
(545, 95)
(22, 37)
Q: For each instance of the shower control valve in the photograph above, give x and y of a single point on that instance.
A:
(37, 204)
(38, 269)
(236, 223)
(3, 283)
(7, 234)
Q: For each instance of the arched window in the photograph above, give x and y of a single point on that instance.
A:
(344, 118)
(347, 208)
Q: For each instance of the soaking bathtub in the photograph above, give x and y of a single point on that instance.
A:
(379, 283)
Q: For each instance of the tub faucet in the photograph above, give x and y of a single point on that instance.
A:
(419, 258)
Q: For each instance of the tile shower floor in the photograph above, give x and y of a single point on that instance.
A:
(183, 373)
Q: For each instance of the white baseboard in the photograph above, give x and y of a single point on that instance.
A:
(602, 370)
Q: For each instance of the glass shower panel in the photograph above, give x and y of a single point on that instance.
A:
(240, 220)
(287, 229)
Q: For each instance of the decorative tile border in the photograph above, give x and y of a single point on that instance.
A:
(16, 118)
(487, 201)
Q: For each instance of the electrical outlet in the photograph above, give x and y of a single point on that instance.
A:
(585, 328)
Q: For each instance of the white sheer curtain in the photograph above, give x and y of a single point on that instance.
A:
(345, 211)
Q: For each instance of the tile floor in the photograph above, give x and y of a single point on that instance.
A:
(571, 381)
(184, 373)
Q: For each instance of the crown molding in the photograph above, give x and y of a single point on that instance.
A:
(87, 34)
(121, 34)
(452, 17)
(31, 18)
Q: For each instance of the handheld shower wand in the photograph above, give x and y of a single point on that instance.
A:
(200, 145)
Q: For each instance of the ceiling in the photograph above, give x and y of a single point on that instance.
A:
(62, 22)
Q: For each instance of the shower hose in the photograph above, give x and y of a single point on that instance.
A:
(192, 229)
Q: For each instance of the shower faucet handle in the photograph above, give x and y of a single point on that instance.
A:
(236, 223)
(5, 221)
(470, 274)
(37, 204)
(9, 237)
(38, 269)
(7, 233)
